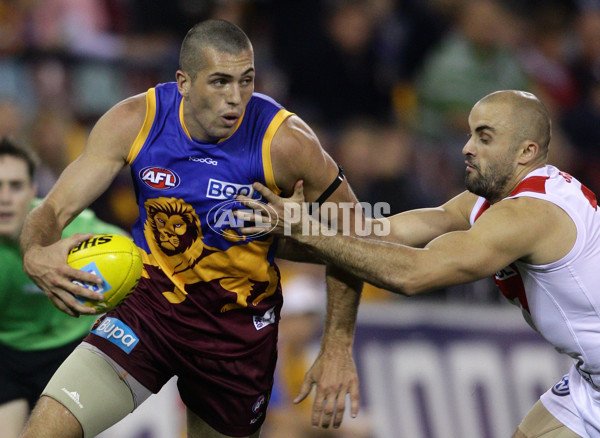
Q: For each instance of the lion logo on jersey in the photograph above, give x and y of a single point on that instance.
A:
(174, 226)
(174, 223)
(174, 235)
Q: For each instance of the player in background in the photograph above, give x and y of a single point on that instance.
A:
(35, 337)
(207, 306)
(532, 226)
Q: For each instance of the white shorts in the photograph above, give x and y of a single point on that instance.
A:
(574, 403)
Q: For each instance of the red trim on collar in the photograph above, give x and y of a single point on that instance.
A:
(535, 184)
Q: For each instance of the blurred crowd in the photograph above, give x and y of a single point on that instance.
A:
(386, 84)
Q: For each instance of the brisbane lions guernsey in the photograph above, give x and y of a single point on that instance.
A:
(218, 292)
(561, 300)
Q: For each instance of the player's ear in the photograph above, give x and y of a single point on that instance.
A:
(528, 151)
(184, 82)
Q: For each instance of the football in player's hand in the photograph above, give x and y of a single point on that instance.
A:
(114, 258)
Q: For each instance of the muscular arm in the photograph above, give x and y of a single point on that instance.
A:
(44, 254)
(508, 231)
(416, 228)
(297, 154)
(291, 250)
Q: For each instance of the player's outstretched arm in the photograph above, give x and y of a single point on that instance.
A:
(416, 228)
(44, 254)
(296, 153)
(508, 231)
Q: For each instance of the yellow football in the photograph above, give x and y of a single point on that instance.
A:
(114, 258)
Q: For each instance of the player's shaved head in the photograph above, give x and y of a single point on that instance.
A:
(219, 34)
(526, 114)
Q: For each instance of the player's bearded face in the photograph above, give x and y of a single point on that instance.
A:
(490, 180)
(490, 152)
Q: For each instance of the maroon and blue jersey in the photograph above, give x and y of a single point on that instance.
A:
(211, 289)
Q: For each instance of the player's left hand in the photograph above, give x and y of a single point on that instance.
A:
(334, 374)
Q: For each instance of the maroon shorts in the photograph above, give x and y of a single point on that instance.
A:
(230, 394)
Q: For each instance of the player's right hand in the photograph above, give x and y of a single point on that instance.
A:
(334, 375)
(47, 267)
(286, 214)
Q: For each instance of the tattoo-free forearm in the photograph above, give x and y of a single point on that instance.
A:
(291, 250)
(343, 298)
(383, 264)
(40, 228)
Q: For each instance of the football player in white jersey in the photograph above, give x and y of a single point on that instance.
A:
(533, 227)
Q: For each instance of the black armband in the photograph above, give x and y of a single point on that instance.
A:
(328, 191)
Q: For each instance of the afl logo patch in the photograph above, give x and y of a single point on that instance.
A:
(159, 178)
(562, 387)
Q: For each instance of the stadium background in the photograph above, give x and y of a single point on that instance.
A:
(387, 86)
